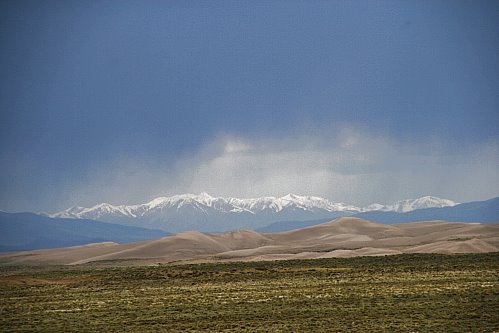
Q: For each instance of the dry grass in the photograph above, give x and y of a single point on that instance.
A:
(401, 293)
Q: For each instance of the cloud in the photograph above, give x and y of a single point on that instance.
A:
(347, 165)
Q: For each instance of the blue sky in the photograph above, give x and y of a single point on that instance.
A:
(357, 101)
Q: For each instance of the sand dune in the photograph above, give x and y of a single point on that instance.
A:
(344, 237)
(365, 251)
(341, 226)
(469, 246)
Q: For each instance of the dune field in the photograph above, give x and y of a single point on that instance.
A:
(343, 237)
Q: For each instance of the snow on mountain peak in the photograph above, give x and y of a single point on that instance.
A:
(205, 203)
(291, 197)
(157, 202)
(408, 205)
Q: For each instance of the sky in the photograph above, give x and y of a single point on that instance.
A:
(354, 101)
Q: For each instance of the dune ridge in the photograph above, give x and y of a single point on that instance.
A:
(343, 237)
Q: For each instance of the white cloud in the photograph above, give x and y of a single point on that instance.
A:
(344, 165)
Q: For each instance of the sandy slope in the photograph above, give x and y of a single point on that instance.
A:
(344, 237)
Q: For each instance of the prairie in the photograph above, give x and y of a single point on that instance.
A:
(399, 293)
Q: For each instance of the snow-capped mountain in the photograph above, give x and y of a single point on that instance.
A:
(206, 213)
(409, 205)
(205, 204)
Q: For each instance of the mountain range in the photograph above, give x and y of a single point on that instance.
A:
(484, 212)
(205, 213)
(27, 231)
(78, 225)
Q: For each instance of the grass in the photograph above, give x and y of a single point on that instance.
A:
(403, 293)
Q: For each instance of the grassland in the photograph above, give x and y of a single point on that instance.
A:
(402, 293)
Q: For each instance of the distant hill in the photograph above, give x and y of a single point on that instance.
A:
(28, 231)
(479, 212)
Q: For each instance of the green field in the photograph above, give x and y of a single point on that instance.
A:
(403, 293)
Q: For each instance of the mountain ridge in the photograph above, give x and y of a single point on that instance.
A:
(223, 204)
(211, 214)
(484, 212)
(29, 231)
(253, 205)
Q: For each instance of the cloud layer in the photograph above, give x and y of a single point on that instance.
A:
(347, 164)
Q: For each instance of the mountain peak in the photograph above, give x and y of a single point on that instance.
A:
(186, 209)
(408, 205)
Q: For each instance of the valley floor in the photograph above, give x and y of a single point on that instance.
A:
(400, 293)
